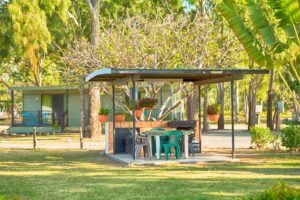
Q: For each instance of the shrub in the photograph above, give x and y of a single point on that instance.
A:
(280, 191)
(260, 136)
(214, 109)
(147, 102)
(291, 138)
(56, 125)
(103, 111)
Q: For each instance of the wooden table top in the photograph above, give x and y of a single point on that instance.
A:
(162, 132)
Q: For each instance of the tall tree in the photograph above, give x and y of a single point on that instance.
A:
(28, 36)
(28, 18)
(94, 9)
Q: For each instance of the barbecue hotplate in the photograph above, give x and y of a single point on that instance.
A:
(182, 124)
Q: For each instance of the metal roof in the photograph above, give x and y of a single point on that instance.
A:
(187, 75)
(42, 88)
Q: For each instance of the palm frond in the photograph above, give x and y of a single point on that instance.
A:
(245, 36)
(288, 13)
(262, 25)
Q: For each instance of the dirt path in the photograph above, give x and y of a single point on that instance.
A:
(214, 139)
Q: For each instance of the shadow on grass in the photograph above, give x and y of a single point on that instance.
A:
(89, 175)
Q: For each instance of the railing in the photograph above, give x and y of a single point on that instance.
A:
(41, 118)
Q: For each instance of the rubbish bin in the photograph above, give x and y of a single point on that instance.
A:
(128, 144)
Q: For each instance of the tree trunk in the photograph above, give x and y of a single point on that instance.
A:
(277, 120)
(201, 5)
(193, 104)
(95, 28)
(189, 108)
(236, 99)
(95, 126)
(251, 103)
(82, 107)
(221, 102)
(246, 112)
(205, 104)
(94, 9)
(269, 103)
(296, 109)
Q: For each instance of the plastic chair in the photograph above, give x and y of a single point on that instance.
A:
(29, 119)
(141, 142)
(174, 137)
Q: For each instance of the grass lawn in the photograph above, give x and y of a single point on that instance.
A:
(74, 174)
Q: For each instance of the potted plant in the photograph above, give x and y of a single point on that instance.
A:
(120, 116)
(147, 103)
(213, 112)
(103, 114)
(138, 109)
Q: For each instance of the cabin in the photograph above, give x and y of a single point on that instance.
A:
(57, 108)
(49, 108)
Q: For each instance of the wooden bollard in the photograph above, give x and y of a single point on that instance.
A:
(34, 138)
(80, 138)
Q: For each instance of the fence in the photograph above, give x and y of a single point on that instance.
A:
(40, 118)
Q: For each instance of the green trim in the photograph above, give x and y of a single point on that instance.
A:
(43, 88)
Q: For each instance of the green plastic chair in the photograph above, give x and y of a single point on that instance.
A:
(174, 137)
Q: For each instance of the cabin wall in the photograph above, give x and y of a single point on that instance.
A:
(74, 109)
(31, 102)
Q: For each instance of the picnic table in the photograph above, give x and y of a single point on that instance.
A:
(158, 133)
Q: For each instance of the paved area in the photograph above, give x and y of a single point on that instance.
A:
(223, 139)
(199, 158)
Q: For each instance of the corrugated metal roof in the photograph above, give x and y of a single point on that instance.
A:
(187, 75)
(43, 88)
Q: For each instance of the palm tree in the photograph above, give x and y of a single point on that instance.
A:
(261, 40)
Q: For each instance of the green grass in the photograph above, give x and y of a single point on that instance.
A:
(72, 174)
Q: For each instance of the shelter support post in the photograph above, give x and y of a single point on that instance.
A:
(113, 118)
(232, 119)
(133, 117)
(199, 120)
(12, 97)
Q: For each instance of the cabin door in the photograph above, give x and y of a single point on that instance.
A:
(58, 110)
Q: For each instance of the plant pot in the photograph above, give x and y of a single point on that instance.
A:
(138, 113)
(103, 118)
(148, 107)
(120, 118)
(213, 118)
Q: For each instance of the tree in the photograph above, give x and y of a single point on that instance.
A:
(94, 9)
(28, 17)
(80, 58)
(261, 38)
(142, 42)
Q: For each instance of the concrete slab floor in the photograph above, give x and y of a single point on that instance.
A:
(198, 158)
